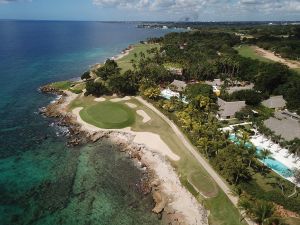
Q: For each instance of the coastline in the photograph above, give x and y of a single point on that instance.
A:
(173, 202)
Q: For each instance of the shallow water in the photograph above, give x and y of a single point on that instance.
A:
(41, 180)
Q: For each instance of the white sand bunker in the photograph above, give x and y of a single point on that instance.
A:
(155, 143)
(100, 99)
(131, 105)
(146, 117)
(120, 99)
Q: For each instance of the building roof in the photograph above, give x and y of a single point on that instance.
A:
(275, 102)
(215, 82)
(239, 88)
(229, 108)
(180, 85)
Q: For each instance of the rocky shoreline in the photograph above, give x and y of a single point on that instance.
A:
(143, 158)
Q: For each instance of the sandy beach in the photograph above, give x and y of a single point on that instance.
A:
(177, 204)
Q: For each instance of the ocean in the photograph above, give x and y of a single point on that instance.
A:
(41, 180)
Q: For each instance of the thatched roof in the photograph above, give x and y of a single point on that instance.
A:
(275, 102)
(229, 108)
(180, 85)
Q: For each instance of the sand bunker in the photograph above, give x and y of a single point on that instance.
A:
(120, 99)
(100, 99)
(131, 105)
(143, 114)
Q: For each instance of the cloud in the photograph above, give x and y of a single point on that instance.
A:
(191, 7)
(9, 1)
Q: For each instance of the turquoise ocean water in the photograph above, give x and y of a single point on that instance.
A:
(41, 180)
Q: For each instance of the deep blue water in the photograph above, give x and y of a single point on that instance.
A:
(41, 180)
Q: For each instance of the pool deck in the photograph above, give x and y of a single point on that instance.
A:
(278, 153)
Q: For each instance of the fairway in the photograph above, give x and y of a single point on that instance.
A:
(108, 115)
(249, 52)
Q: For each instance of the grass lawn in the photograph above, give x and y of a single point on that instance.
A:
(249, 52)
(222, 212)
(63, 85)
(125, 62)
(108, 115)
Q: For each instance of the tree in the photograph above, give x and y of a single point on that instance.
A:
(251, 97)
(152, 93)
(233, 172)
(271, 76)
(263, 213)
(86, 75)
(296, 174)
(126, 84)
(96, 88)
(265, 154)
(193, 90)
(108, 69)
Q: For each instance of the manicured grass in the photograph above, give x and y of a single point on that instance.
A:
(249, 52)
(125, 62)
(204, 188)
(108, 115)
(63, 85)
(222, 212)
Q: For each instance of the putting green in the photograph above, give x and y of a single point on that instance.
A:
(108, 115)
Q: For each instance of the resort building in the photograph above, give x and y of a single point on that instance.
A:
(176, 71)
(275, 102)
(178, 85)
(227, 110)
(230, 90)
(216, 85)
(284, 123)
(215, 82)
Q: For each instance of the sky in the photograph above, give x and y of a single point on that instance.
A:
(151, 10)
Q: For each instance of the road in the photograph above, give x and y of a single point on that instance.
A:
(197, 156)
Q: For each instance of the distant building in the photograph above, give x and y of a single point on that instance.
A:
(176, 71)
(275, 102)
(216, 85)
(178, 85)
(215, 82)
(227, 110)
(239, 88)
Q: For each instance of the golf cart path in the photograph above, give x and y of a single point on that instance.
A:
(197, 156)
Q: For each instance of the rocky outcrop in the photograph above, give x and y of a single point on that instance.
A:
(48, 89)
(160, 201)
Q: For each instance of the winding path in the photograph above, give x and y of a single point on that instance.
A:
(197, 156)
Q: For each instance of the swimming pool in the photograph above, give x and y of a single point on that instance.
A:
(168, 94)
(273, 164)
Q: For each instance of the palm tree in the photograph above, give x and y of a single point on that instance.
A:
(296, 174)
(251, 155)
(263, 213)
(265, 154)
